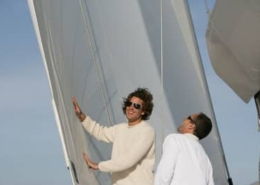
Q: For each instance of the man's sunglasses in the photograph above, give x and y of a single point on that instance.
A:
(189, 118)
(136, 105)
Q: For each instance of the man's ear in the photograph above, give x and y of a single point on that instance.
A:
(142, 113)
(191, 126)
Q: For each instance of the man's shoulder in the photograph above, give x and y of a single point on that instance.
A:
(147, 130)
(174, 135)
(147, 126)
(145, 123)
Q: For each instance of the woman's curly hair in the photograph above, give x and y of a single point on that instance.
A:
(145, 95)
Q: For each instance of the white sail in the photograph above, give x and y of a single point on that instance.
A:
(234, 45)
(98, 51)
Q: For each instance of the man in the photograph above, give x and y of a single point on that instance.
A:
(133, 152)
(184, 161)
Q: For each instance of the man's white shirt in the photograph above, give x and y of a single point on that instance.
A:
(183, 162)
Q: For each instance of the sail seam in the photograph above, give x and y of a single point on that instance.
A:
(162, 120)
(95, 61)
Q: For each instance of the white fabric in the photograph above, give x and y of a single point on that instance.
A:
(183, 162)
(124, 55)
(133, 152)
(234, 43)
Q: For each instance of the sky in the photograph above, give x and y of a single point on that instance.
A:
(30, 147)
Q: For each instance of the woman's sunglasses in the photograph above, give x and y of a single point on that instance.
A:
(135, 105)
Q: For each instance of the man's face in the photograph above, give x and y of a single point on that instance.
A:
(134, 110)
(188, 124)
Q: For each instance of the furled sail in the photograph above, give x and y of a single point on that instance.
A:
(234, 45)
(98, 51)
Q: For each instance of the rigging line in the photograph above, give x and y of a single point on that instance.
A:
(219, 35)
(109, 53)
(161, 80)
(73, 55)
(95, 61)
(207, 7)
(210, 101)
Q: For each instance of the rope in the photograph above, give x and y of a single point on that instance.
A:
(207, 7)
(95, 61)
(161, 78)
(110, 55)
(224, 42)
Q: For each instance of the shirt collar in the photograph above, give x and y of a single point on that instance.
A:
(192, 136)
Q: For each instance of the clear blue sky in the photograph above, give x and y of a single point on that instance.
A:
(30, 148)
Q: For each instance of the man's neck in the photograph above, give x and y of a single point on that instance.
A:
(192, 136)
(133, 123)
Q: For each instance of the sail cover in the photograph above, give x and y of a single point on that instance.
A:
(98, 51)
(234, 44)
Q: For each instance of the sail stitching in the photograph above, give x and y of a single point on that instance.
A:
(95, 61)
(161, 78)
(60, 95)
(109, 52)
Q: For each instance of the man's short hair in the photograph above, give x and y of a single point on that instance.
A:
(145, 95)
(203, 125)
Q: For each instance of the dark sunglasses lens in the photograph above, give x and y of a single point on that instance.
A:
(189, 118)
(137, 106)
(128, 103)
